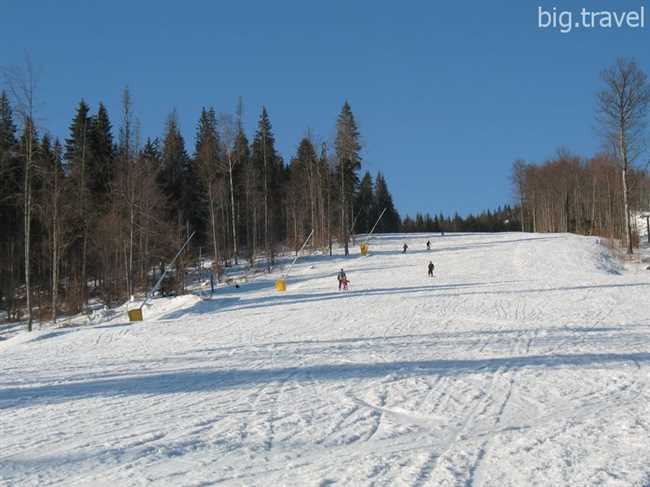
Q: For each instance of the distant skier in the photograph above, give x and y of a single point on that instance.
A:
(428, 244)
(343, 280)
(431, 267)
(405, 248)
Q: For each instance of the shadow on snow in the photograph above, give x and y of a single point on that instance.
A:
(211, 380)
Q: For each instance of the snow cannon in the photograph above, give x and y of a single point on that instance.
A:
(364, 245)
(281, 283)
(364, 249)
(135, 314)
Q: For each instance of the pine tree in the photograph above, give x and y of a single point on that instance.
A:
(151, 155)
(365, 205)
(245, 188)
(179, 181)
(328, 182)
(76, 146)
(28, 150)
(390, 222)
(53, 215)
(207, 166)
(347, 146)
(77, 155)
(269, 176)
(302, 193)
(11, 179)
(7, 127)
(102, 153)
(10, 172)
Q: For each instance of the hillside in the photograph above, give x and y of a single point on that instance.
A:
(524, 361)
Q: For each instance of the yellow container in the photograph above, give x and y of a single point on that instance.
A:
(280, 285)
(135, 314)
(364, 249)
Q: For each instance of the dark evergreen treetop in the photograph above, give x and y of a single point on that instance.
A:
(7, 126)
(263, 149)
(241, 151)
(390, 222)
(102, 152)
(306, 153)
(264, 142)
(76, 145)
(365, 205)
(151, 152)
(347, 147)
(208, 145)
(500, 220)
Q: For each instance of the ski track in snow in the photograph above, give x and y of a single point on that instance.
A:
(524, 361)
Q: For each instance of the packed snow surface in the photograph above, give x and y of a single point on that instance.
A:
(524, 361)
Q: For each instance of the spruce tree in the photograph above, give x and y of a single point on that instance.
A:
(348, 160)
(10, 168)
(390, 222)
(303, 198)
(178, 179)
(151, 155)
(7, 127)
(365, 205)
(245, 189)
(76, 145)
(207, 166)
(11, 178)
(269, 173)
(77, 155)
(102, 153)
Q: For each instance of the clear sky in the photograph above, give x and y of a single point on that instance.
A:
(446, 94)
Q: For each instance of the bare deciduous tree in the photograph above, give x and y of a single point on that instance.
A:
(519, 186)
(622, 111)
(22, 82)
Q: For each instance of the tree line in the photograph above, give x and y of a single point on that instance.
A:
(92, 217)
(598, 195)
(503, 219)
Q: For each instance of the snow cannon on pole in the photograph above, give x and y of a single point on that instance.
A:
(363, 247)
(281, 283)
(135, 314)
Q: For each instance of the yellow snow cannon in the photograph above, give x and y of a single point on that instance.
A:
(135, 314)
(364, 249)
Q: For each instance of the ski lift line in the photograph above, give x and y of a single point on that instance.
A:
(286, 274)
(167, 267)
(375, 225)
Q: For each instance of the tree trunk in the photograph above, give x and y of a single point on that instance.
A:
(626, 209)
(232, 205)
(55, 244)
(213, 224)
(27, 221)
(266, 204)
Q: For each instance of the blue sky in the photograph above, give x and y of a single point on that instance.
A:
(446, 95)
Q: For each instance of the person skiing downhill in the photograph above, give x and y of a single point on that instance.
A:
(405, 248)
(343, 280)
(431, 267)
(428, 244)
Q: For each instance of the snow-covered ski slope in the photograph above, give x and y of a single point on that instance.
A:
(524, 361)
